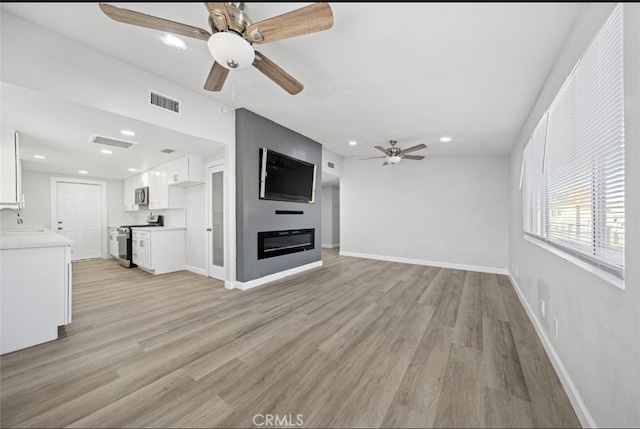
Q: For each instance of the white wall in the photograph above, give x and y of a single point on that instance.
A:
(597, 352)
(37, 211)
(36, 214)
(329, 156)
(438, 211)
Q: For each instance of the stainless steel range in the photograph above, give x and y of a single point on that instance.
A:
(125, 240)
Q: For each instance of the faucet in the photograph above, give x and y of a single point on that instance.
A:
(16, 211)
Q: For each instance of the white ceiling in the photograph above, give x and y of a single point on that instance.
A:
(411, 72)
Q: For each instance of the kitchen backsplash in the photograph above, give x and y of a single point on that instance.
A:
(171, 217)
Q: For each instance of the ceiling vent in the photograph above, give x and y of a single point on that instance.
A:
(164, 102)
(168, 150)
(108, 141)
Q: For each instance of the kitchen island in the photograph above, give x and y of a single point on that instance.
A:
(35, 287)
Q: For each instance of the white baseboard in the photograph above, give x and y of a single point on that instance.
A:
(586, 420)
(330, 246)
(477, 268)
(201, 271)
(276, 276)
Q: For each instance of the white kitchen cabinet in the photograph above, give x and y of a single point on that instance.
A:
(142, 179)
(159, 250)
(163, 196)
(35, 299)
(113, 242)
(187, 171)
(128, 193)
(11, 168)
(158, 188)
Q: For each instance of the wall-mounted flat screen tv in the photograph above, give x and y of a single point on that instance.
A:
(284, 178)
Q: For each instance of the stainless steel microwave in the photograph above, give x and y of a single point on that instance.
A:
(142, 196)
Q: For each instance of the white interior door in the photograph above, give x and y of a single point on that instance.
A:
(79, 208)
(215, 222)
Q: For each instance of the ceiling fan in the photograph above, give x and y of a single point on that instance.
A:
(233, 34)
(394, 154)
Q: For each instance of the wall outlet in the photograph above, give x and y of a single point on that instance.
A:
(543, 309)
(555, 326)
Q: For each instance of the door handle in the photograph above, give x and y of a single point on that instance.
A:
(208, 229)
(59, 228)
(59, 222)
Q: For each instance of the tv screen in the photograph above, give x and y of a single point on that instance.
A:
(284, 178)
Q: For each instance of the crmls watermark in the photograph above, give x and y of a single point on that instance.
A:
(262, 420)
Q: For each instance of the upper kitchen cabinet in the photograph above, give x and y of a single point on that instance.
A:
(129, 187)
(187, 171)
(10, 166)
(161, 195)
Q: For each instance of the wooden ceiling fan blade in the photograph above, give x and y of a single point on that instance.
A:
(373, 157)
(416, 157)
(414, 148)
(143, 20)
(380, 148)
(385, 163)
(219, 14)
(308, 19)
(216, 78)
(277, 74)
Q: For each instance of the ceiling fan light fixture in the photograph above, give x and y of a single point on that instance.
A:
(393, 159)
(231, 51)
(173, 41)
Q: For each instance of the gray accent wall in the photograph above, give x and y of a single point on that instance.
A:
(253, 214)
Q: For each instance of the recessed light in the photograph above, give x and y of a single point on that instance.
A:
(82, 171)
(133, 170)
(353, 143)
(128, 133)
(173, 41)
(107, 151)
(39, 157)
(445, 139)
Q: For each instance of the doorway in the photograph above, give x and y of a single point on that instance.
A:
(331, 214)
(215, 221)
(78, 213)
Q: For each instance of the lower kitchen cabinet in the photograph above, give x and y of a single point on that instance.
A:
(35, 288)
(159, 250)
(113, 242)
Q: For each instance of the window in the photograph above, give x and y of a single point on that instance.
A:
(573, 163)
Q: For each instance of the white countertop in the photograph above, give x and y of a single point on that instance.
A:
(158, 228)
(22, 239)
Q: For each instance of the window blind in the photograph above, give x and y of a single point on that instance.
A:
(574, 161)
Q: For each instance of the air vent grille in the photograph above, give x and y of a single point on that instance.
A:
(168, 150)
(164, 102)
(108, 141)
(331, 164)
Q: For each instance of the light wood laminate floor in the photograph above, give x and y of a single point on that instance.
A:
(355, 343)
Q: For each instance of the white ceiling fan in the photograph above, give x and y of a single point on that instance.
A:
(394, 155)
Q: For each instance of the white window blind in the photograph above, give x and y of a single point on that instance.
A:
(574, 161)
